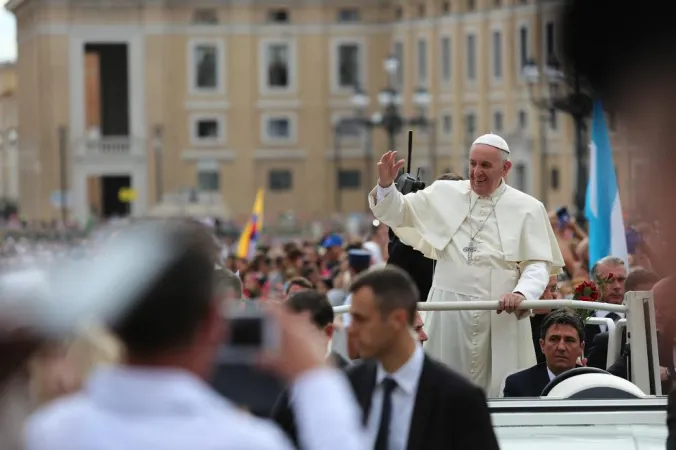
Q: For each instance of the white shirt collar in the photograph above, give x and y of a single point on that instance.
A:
(408, 375)
(496, 193)
(551, 374)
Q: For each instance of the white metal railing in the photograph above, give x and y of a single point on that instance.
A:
(495, 305)
(638, 308)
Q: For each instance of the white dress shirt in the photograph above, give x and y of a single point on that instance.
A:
(403, 401)
(160, 409)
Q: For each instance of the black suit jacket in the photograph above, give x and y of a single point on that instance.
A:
(282, 412)
(449, 411)
(420, 268)
(527, 383)
(590, 332)
(597, 356)
(671, 421)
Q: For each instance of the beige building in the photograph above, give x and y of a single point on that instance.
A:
(226, 97)
(9, 132)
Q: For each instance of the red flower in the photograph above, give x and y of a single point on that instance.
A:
(610, 278)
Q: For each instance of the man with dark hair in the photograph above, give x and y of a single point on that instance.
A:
(297, 284)
(158, 397)
(562, 342)
(321, 314)
(435, 407)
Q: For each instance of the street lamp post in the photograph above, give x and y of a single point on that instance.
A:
(389, 118)
(563, 92)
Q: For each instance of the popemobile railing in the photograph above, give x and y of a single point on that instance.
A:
(638, 309)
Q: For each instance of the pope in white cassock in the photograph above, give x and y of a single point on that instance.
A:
(490, 241)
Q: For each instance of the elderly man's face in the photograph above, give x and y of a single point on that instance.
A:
(613, 292)
(486, 169)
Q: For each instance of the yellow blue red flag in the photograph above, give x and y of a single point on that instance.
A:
(246, 247)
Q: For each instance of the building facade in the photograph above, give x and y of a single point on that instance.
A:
(221, 98)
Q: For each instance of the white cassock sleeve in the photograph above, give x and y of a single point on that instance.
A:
(533, 280)
(382, 192)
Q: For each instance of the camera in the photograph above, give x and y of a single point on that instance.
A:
(407, 183)
(251, 332)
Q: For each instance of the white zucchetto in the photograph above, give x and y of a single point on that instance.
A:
(493, 140)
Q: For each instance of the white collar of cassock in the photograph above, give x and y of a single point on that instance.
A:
(150, 390)
(408, 375)
(494, 196)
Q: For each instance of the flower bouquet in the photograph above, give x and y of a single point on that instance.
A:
(587, 291)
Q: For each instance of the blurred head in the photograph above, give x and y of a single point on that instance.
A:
(229, 285)
(178, 320)
(318, 308)
(632, 73)
(610, 267)
(562, 340)
(450, 176)
(641, 280)
(297, 284)
(488, 165)
(665, 306)
(383, 311)
(552, 290)
(419, 328)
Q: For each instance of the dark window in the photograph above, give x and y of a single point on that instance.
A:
(205, 16)
(521, 176)
(497, 120)
(278, 65)
(446, 7)
(553, 119)
(470, 125)
(523, 46)
(349, 179)
(471, 56)
(206, 59)
(208, 180)
(280, 180)
(348, 15)
(278, 16)
(207, 129)
(348, 65)
(421, 10)
(523, 119)
(497, 54)
(398, 13)
(554, 178)
(471, 5)
(551, 44)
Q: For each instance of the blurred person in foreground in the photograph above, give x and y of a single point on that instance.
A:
(409, 400)
(490, 241)
(562, 343)
(419, 267)
(321, 314)
(633, 74)
(158, 398)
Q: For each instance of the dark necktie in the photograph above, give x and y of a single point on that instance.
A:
(385, 415)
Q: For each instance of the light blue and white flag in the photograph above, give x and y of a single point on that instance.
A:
(603, 210)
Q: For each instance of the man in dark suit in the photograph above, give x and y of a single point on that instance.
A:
(671, 421)
(550, 293)
(562, 343)
(606, 268)
(420, 268)
(321, 314)
(409, 401)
